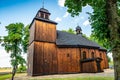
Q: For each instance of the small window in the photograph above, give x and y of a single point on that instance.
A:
(84, 55)
(42, 15)
(46, 16)
(92, 55)
(68, 55)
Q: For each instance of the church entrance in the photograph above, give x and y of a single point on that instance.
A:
(98, 61)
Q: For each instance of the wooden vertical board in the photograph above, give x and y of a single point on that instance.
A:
(38, 58)
(32, 33)
(51, 32)
(102, 62)
(103, 59)
(47, 57)
(106, 60)
(38, 30)
(69, 65)
(64, 59)
(45, 31)
(30, 59)
(95, 67)
(78, 60)
(60, 62)
(54, 67)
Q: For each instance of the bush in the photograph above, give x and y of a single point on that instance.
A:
(21, 69)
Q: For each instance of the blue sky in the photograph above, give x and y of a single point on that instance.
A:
(12, 11)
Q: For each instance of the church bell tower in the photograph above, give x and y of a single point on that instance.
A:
(41, 42)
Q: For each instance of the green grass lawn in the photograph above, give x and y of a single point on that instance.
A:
(5, 76)
(8, 76)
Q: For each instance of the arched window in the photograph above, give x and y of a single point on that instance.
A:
(84, 55)
(92, 55)
(100, 55)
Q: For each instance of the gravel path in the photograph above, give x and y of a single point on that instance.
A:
(106, 73)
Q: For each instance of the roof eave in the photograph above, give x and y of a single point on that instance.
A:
(44, 20)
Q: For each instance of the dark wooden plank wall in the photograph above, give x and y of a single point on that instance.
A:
(45, 58)
(45, 31)
(68, 60)
(30, 59)
(32, 32)
(88, 67)
(105, 60)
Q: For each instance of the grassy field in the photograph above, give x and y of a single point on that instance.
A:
(8, 76)
(5, 76)
(2, 70)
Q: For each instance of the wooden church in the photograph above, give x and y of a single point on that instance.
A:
(56, 52)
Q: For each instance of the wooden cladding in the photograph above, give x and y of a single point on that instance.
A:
(32, 33)
(89, 67)
(41, 31)
(30, 59)
(68, 60)
(45, 58)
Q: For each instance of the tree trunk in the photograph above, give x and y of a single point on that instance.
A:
(116, 59)
(15, 64)
(112, 15)
(13, 72)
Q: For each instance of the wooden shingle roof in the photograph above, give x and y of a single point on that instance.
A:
(65, 39)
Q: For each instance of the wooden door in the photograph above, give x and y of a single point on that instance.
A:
(98, 66)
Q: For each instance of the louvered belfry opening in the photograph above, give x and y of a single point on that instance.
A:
(43, 13)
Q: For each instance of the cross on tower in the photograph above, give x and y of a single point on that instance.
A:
(43, 3)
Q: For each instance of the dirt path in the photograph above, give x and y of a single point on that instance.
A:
(107, 72)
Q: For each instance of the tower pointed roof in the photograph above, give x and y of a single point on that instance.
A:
(44, 10)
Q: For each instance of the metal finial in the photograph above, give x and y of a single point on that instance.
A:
(43, 4)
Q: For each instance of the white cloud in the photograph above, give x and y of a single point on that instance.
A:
(82, 17)
(66, 14)
(61, 3)
(58, 19)
(86, 23)
(4, 58)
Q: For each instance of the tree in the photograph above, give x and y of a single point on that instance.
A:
(12, 43)
(25, 41)
(70, 30)
(105, 21)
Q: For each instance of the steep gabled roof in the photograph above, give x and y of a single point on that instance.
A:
(65, 39)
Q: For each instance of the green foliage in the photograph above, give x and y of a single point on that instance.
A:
(0, 39)
(25, 40)
(12, 44)
(70, 30)
(21, 68)
(98, 19)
